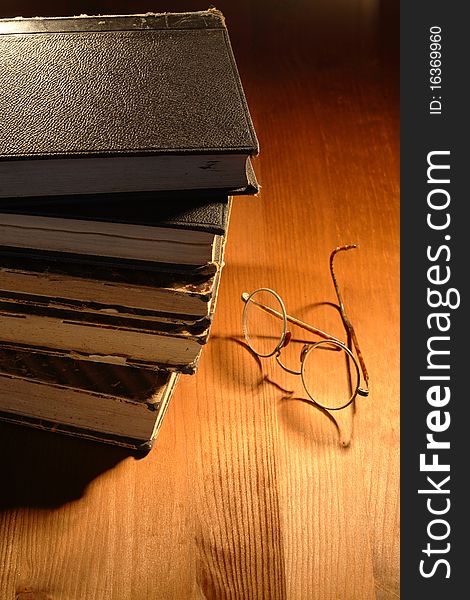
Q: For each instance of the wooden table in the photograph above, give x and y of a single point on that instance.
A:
(250, 492)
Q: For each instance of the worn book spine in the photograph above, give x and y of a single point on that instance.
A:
(83, 414)
(116, 404)
(141, 447)
(104, 342)
(63, 292)
(117, 317)
(121, 381)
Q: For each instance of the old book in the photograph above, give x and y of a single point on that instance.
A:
(182, 232)
(167, 203)
(174, 345)
(111, 289)
(110, 268)
(106, 402)
(156, 294)
(133, 103)
(96, 315)
(206, 211)
(101, 333)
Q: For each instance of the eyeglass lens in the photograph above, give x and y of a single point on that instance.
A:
(330, 377)
(264, 322)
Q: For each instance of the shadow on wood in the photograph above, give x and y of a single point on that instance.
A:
(46, 470)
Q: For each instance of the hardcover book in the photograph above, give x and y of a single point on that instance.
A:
(103, 333)
(208, 211)
(110, 403)
(112, 240)
(104, 104)
(183, 233)
(134, 342)
(118, 292)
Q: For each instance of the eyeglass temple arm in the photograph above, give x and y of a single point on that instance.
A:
(345, 317)
(292, 320)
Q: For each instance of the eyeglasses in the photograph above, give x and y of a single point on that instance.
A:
(265, 329)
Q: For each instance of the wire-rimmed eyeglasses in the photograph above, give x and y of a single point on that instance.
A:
(265, 329)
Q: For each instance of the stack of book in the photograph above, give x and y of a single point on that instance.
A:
(125, 140)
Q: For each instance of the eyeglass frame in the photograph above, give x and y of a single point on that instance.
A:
(328, 340)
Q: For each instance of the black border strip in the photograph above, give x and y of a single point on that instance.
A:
(434, 285)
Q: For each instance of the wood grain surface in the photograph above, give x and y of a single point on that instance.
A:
(250, 492)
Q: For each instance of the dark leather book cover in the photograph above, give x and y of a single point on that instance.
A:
(110, 86)
(173, 210)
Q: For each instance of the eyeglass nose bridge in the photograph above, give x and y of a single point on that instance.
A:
(282, 365)
(286, 339)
